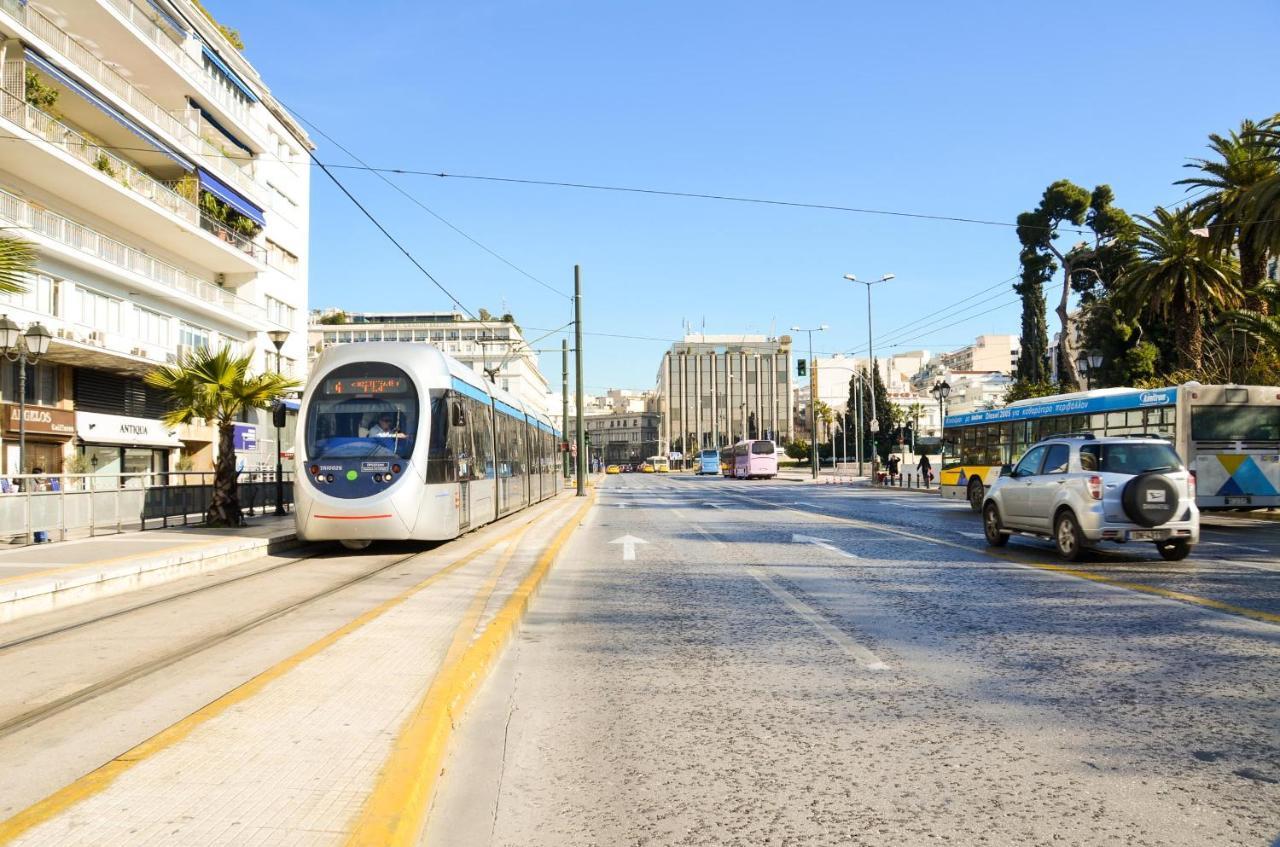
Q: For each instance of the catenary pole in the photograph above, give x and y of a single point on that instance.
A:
(564, 404)
(578, 393)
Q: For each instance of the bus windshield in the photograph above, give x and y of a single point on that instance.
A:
(1235, 423)
(363, 410)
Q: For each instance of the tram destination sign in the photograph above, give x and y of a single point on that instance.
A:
(366, 385)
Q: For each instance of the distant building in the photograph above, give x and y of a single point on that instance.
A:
(495, 347)
(987, 353)
(622, 437)
(714, 389)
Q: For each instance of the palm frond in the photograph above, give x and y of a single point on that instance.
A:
(17, 259)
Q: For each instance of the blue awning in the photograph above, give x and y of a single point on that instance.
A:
(230, 196)
(61, 76)
(213, 122)
(168, 18)
(228, 73)
(291, 405)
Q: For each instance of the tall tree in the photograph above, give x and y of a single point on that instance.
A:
(1178, 278)
(1244, 166)
(217, 387)
(1265, 196)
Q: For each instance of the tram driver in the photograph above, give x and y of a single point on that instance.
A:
(385, 427)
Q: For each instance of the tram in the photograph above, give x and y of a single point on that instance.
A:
(400, 441)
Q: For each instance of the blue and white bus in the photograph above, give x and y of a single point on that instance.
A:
(1228, 435)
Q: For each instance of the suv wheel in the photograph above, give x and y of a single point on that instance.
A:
(991, 526)
(1175, 550)
(976, 494)
(1067, 537)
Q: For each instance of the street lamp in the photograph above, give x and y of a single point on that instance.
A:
(941, 391)
(871, 356)
(1088, 363)
(278, 337)
(23, 348)
(813, 401)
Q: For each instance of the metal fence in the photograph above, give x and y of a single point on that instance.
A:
(37, 508)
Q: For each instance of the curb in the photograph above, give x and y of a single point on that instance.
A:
(74, 584)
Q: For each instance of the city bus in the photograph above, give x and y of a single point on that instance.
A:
(1228, 436)
(726, 462)
(660, 464)
(755, 459)
(708, 462)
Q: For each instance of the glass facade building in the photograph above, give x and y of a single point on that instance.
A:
(715, 390)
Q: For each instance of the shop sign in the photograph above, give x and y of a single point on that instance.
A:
(96, 428)
(41, 420)
(245, 438)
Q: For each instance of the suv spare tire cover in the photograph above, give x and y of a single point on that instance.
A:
(1150, 499)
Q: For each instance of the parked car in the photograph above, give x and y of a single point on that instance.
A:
(612, 469)
(1081, 490)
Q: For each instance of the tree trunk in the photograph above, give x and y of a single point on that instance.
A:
(1067, 375)
(1188, 332)
(224, 507)
(1253, 270)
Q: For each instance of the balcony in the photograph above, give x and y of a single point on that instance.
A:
(92, 244)
(129, 176)
(81, 58)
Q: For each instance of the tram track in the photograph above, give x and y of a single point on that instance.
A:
(30, 717)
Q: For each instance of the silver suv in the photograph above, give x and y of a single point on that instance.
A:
(1080, 490)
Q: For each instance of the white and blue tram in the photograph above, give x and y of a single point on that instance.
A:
(400, 441)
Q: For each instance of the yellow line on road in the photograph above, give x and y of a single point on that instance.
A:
(1204, 602)
(394, 812)
(100, 779)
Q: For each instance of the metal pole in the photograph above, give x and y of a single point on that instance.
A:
(22, 417)
(279, 458)
(813, 410)
(857, 437)
(578, 394)
(564, 404)
(871, 354)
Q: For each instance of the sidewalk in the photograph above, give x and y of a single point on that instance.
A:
(42, 577)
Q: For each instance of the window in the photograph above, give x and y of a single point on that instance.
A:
(42, 384)
(277, 256)
(153, 327)
(1057, 459)
(97, 310)
(1129, 458)
(280, 312)
(1235, 423)
(1030, 464)
(41, 295)
(193, 336)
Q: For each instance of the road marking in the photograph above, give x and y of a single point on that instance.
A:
(1203, 602)
(976, 535)
(628, 543)
(823, 543)
(100, 779)
(394, 811)
(712, 505)
(836, 635)
(698, 529)
(1235, 546)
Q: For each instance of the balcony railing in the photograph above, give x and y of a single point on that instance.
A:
(55, 227)
(110, 79)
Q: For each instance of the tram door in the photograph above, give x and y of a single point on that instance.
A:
(461, 447)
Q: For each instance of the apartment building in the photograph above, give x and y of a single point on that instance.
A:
(987, 353)
(495, 347)
(716, 389)
(167, 196)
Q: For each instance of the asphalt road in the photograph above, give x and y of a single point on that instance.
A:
(787, 663)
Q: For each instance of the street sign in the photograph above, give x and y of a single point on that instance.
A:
(874, 424)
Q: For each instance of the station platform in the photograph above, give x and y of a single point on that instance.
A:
(339, 740)
(43, 577)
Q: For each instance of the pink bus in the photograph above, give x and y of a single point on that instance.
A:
(755, 460)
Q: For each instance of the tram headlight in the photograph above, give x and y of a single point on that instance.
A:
(329, 478)
(377, 477)
(315, 469)
(395, 469)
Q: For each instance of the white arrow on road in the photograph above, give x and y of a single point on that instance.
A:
(823, 543)
(628, 543)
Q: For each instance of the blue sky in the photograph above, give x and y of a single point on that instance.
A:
(965, 109)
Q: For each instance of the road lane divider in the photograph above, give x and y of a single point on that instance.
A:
(814, 618)
(395, 811)
(1151, 590)
(102, 777)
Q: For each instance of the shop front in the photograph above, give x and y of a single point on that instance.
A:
(48, 432)
(115, 444)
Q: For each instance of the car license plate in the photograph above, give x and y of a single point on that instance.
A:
(1237, 501)
(1147, 534)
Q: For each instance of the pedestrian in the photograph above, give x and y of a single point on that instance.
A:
(925, 467)
(894, 461)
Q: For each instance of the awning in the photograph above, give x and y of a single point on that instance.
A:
(291, 405)
(213, 122)
(61, 76)
(228, 73)
(230, 196)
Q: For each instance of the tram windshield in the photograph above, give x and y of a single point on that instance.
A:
(360, 411)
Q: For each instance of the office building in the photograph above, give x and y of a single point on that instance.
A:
(714, 390)
(166, 193)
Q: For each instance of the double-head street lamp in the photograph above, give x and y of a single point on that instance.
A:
(941, 391)
(1088, 363)
(871, 355)
(24, 348)
(278, 337)
(813, 401)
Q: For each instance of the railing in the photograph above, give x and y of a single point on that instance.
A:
(18, 211)
(111, 79)
(38, 508)
(237, 240)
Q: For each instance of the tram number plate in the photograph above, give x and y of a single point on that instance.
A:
(1237, 501)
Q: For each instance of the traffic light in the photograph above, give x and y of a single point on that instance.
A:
(801, 364)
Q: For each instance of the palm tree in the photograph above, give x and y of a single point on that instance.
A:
(1178, 276)
(217, 387)
(17, 259)
(1265, 196)
(1245, 164)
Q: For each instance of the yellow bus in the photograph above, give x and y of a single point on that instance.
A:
(1228, 436)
